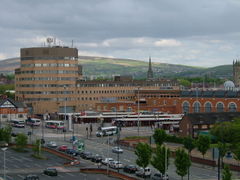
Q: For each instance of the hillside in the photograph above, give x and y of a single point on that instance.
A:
(106, 67)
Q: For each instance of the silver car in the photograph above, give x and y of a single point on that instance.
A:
(52, 144)
(117, 150)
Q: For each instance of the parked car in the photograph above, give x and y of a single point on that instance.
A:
(159, 176)
(130, 168)
(143, 172)
(107, 161)
(86, 155)
(31, 177)
(97, 158)
(72, 152)
(52, 144)
(117, 150)
(116, 165)
(50, 172)
(3, 144)
(62, 148)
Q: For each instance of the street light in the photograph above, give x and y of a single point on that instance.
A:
(4, 162)
(65, 101)
(138, 110)
(165, 160)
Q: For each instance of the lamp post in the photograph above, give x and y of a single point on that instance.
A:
(4, 162)
(165, 174)
(138, 110)
(108, 156)
(65, 101)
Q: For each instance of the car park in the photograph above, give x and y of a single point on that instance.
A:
(52, 144)
(50, 172)
(31, 177)
(107, 161)
(116, 165)
(86, 155)
(130, 168)
(143, 172)
(117, 150)
(63, 148)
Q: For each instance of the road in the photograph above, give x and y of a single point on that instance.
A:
(99, 146)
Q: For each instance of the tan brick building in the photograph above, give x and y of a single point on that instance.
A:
(50, 79)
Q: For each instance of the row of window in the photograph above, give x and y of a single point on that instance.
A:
(115, 84)
(49, 65)
(49, 58)
(45, 85)
(46, 79)
(49, 72)
(45, 92)
(232, 107)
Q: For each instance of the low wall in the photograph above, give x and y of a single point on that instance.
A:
(109, 172)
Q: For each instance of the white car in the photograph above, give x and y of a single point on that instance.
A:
(117, 150)
(107, 161)
(143, 172)
(116, 165)
(52, 144)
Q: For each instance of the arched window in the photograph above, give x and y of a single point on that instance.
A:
(185, 107)
(232, 107)
(208, 107)
(220, 107)
(114, 109)
(129, 109)
(196, 107)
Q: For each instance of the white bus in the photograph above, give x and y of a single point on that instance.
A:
(33, 122)
(54, 124)
(107, 131)
(17, 123)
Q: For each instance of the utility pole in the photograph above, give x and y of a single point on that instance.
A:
(138, 111)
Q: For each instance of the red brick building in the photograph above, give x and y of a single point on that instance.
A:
(176, 101)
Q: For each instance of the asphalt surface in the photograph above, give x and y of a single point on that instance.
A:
(100, 146)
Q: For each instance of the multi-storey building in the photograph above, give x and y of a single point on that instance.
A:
(49, 80)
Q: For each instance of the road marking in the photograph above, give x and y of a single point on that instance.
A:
(37, 165)
(70, 174)
(20, 176)
(60, 175)
(126, 160)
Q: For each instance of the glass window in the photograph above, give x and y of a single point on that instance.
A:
(220, 107)
(208, 107)
(196, 107)
(186, 107)
(232, 107)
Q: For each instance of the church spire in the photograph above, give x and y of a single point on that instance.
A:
(150, 71)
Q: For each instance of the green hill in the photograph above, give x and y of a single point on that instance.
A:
(106, 67)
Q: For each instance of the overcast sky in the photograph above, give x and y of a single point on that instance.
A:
(190, 32)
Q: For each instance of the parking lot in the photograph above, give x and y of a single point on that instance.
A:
(18, 165)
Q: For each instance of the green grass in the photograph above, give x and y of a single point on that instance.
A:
(135, 137)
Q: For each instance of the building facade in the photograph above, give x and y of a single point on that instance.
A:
(50, 80)
(236, 73)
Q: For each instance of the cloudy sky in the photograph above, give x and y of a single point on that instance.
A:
(191, 32)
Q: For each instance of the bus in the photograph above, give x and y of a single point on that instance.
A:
(106, 131)
(54, 124)
(33, 122)
(17, 123)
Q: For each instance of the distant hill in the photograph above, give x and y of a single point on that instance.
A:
(106, 67)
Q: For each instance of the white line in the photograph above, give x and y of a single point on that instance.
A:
(20, 176)
(70, 174)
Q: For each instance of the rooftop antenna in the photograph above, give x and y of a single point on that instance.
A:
(49, 41)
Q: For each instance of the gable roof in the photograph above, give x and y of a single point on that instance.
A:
(10, 102)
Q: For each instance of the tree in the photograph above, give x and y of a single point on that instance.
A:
(159, 159)
(226, 175)
(21, 141)
(37, 147)
(182, 162)
(159, 136)
(5, 134)
(143, 152)
(189, 144)
(236, 152)
(203, 144)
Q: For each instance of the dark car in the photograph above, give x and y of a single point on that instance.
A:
(31, 177)
(97, 158)
(72, 152)
(86, 155)
(130, 168)
(50, 172)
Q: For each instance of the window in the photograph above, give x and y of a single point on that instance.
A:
(208, 107)
(220, 107)
(232, 107)
(196, 107)
(186, 107)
